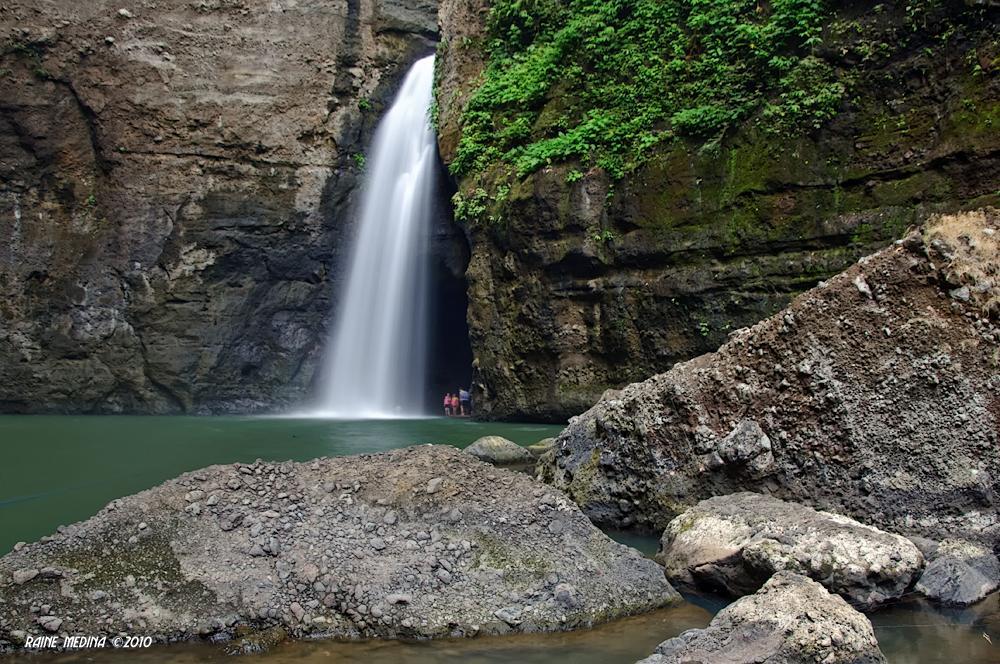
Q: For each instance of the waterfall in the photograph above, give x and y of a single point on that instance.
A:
(376, 363)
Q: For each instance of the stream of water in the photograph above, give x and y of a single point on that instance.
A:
(378, 356)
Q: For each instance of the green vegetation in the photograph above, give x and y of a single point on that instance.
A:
(359, 160)
(605, 236)
(603, 81)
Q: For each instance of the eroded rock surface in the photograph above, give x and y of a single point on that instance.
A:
(583, 282)
(875, 395)
(791, 620)
(421, 542)
(735, 543)
(176, 193)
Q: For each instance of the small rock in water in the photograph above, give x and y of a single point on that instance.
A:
(960, 573)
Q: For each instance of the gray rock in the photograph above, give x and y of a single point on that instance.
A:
(399, 598)
(896, 431)
(565, 594)
(960, 573)
(297, 611)
(790, 620)
(749, 446)
(736, 543)
(498, 451)
(50, 623)
(510, 615)
(24, 575)
(443, 566)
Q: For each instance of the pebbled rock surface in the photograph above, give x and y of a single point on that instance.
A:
(735, 543)
(500, 451)
(791, 620)
(416, 543)
(176, 187)
(959, 573)
(875, 395)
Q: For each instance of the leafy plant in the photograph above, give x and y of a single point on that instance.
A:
(604, 236)
(604, 81)
(359, 160)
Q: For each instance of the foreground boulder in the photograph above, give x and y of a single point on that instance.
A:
(790, 620)
(735, 543)
(499, 451)
(420, 542)
(960, 573)
(874, 394)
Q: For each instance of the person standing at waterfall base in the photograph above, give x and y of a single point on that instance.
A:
(447, 404)
(454, 404)
(465, 400)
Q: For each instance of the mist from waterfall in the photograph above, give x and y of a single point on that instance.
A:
(377, 354)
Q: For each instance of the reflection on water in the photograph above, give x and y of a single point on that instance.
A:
(910, 633)
(915, 632)
(623, 641)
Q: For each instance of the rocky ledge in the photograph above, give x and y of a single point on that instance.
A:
(416, 543)
(959, 573)
(735, 543)
(873, 395)
(791, 620)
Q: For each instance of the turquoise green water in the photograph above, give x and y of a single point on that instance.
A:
(58, 470)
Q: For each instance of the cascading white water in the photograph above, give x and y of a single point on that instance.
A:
(377, 363)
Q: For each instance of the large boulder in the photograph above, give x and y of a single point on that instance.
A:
(499, 451)
(735, 543)
(416, 543)
(874, 395)
(791, 620)
(960, 573)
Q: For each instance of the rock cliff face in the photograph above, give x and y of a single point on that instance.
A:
(874, 395)
(176, 181)
(581, 284)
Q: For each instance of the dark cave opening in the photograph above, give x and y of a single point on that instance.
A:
(449, 365)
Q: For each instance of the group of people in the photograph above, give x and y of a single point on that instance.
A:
(458, 404)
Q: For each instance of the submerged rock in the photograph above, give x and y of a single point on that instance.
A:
(960, 573)
(881, 407)
(735, 543)
(415, 543)
(790, 620)
(499, 451)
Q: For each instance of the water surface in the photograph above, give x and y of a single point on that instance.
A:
(58, 469)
